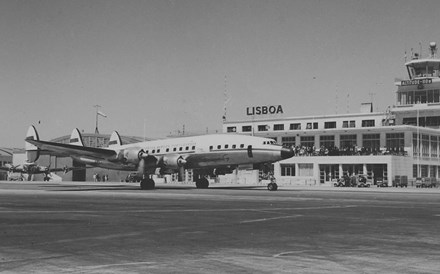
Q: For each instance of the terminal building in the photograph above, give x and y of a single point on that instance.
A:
(5, 158)
(402, 141)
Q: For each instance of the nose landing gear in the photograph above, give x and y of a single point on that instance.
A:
(272, 186)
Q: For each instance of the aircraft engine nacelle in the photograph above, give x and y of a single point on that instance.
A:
(131, 155)
(173, 161)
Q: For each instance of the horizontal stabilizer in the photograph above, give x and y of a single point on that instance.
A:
(32, 152)
(76, 138)
(115, 140)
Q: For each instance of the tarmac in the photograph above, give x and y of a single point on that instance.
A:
(72, 227)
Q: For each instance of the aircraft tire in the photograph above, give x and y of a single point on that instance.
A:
(147, 184)
(202, 183)
(272, 186)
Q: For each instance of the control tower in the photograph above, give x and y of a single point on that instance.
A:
(418, 96)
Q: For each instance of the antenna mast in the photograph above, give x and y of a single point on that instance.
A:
(96, 123)
(226, 99)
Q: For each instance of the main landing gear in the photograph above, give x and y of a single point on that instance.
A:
(202, 183)
(147, 184)
(272, 186)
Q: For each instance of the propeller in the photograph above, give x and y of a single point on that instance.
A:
(142, 167)
(181, 175)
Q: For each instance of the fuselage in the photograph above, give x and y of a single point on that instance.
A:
(205, 151)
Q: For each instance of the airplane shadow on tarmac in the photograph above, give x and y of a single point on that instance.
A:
(93, 187)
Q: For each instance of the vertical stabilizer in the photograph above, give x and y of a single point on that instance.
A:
(115, 140)
(32, 152)
(76, 138)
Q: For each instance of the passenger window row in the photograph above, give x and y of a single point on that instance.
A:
(226, 147)
(174, 149)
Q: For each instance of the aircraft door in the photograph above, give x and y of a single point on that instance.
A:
(249, 151)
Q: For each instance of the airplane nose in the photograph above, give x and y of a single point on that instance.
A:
(287, 153)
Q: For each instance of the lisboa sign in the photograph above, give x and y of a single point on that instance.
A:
(263, 110)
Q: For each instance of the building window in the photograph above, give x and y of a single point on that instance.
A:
(278, 127)
(367, 123)
(353, 123)
(305, 170)
(371, 142)
(424, 170)
(425, 145)
(395, 142)
(313, 125)
(307, 141)
(410, 121)
(433, 121)
(416, 142)
(327, 141)
(263, 128)
(416, 97)
(415, 167)
(246, 128)
(232, 129)
(348, 141)
(287, 170)
(330, 124)
(288, 141)
(434, 146)
(433, 171)
(295, 126)
(344, 124)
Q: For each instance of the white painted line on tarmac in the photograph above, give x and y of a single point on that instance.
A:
(113, 265)
(270, 219)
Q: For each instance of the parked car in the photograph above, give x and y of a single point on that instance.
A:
(401, 181)
(339, 183)
(132, 178)
(380, 182)
(426, 182)
(363, 181)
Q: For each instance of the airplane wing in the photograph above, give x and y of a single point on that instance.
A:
(67, 150)
(9, 167)
(66, 169)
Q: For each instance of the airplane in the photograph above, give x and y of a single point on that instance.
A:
(206, 155)
(31, 168)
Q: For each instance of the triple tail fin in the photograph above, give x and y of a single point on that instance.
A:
(76, 138)
(115, 140)
(32, 152)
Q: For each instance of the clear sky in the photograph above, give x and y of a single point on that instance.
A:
(163, 63)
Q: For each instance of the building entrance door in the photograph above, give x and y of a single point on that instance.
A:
(328, 173)
(377, 171)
